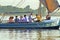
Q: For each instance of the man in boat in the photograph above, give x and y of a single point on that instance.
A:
(30, 18)
(21, 19)
(25, 18)
(11, 19)
(48, 17)
(16, 19)
(38, 17)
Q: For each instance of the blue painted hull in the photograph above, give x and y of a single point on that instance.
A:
(26, 25)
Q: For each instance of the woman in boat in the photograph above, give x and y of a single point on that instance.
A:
(11, 19)
(16, 19)
(25, 18)
(21, 19)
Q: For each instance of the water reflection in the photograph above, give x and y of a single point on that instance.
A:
(19, 34)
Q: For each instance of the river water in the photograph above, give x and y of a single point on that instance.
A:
(36, 34)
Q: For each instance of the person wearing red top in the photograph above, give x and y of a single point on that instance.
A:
(11, 19)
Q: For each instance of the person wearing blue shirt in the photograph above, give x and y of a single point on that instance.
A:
(16, 19)
(25, 18)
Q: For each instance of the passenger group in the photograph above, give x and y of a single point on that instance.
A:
(29, 19)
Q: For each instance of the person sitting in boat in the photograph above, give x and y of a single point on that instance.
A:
(16, 19)
(38, 17)
(30, 18)
(48, 17)
(11, 19)
(21, 19)
(25, 18)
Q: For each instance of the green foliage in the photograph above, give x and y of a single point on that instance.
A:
(16, 9)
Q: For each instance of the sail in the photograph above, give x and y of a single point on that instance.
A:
(50, 4)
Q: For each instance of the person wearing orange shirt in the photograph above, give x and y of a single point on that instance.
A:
(38, 17)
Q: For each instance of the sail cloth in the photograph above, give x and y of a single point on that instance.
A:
(50, 4)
